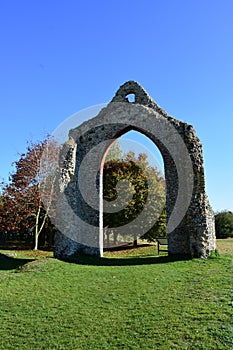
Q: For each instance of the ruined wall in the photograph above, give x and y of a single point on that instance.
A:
(189, 215)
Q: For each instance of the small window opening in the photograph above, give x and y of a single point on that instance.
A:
(131, 98)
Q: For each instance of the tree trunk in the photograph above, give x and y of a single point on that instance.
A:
(37, 229)
(36, 242)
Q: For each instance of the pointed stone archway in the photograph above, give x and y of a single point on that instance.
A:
(190, 219)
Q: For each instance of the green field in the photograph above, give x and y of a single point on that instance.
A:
(130, 299)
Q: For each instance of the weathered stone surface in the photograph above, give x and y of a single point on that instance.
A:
(194, 235)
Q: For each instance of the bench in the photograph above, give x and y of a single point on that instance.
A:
(162, 242)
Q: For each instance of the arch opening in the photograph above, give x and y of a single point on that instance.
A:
(132, 166)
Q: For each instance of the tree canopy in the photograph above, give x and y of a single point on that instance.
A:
(224, 224)
(138, 172)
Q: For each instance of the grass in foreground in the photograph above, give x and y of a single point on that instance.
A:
(120, 302)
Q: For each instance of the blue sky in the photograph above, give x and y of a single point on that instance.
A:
(58, 57)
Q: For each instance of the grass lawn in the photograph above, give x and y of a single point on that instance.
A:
(130, 299)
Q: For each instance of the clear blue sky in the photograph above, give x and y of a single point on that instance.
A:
(58, 57)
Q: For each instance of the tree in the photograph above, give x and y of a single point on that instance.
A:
(139, 173)
(159, 228)
(23, 208)
(224, 224)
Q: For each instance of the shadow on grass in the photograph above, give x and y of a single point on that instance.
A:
(126, 246)
(129, 261)
(17, 245)
(9, 263)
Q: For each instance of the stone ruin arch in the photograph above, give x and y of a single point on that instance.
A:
(190, 219)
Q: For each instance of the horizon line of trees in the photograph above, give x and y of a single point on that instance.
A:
(25, 218)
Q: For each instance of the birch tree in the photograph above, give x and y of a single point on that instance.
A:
(24, 209)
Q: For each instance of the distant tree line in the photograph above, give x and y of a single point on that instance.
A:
(25, 218)
(224, 224)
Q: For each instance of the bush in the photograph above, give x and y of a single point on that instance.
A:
(224, 224)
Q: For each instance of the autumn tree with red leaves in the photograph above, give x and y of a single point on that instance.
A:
(22, 208)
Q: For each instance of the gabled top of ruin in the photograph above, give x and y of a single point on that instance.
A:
(140, 96)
